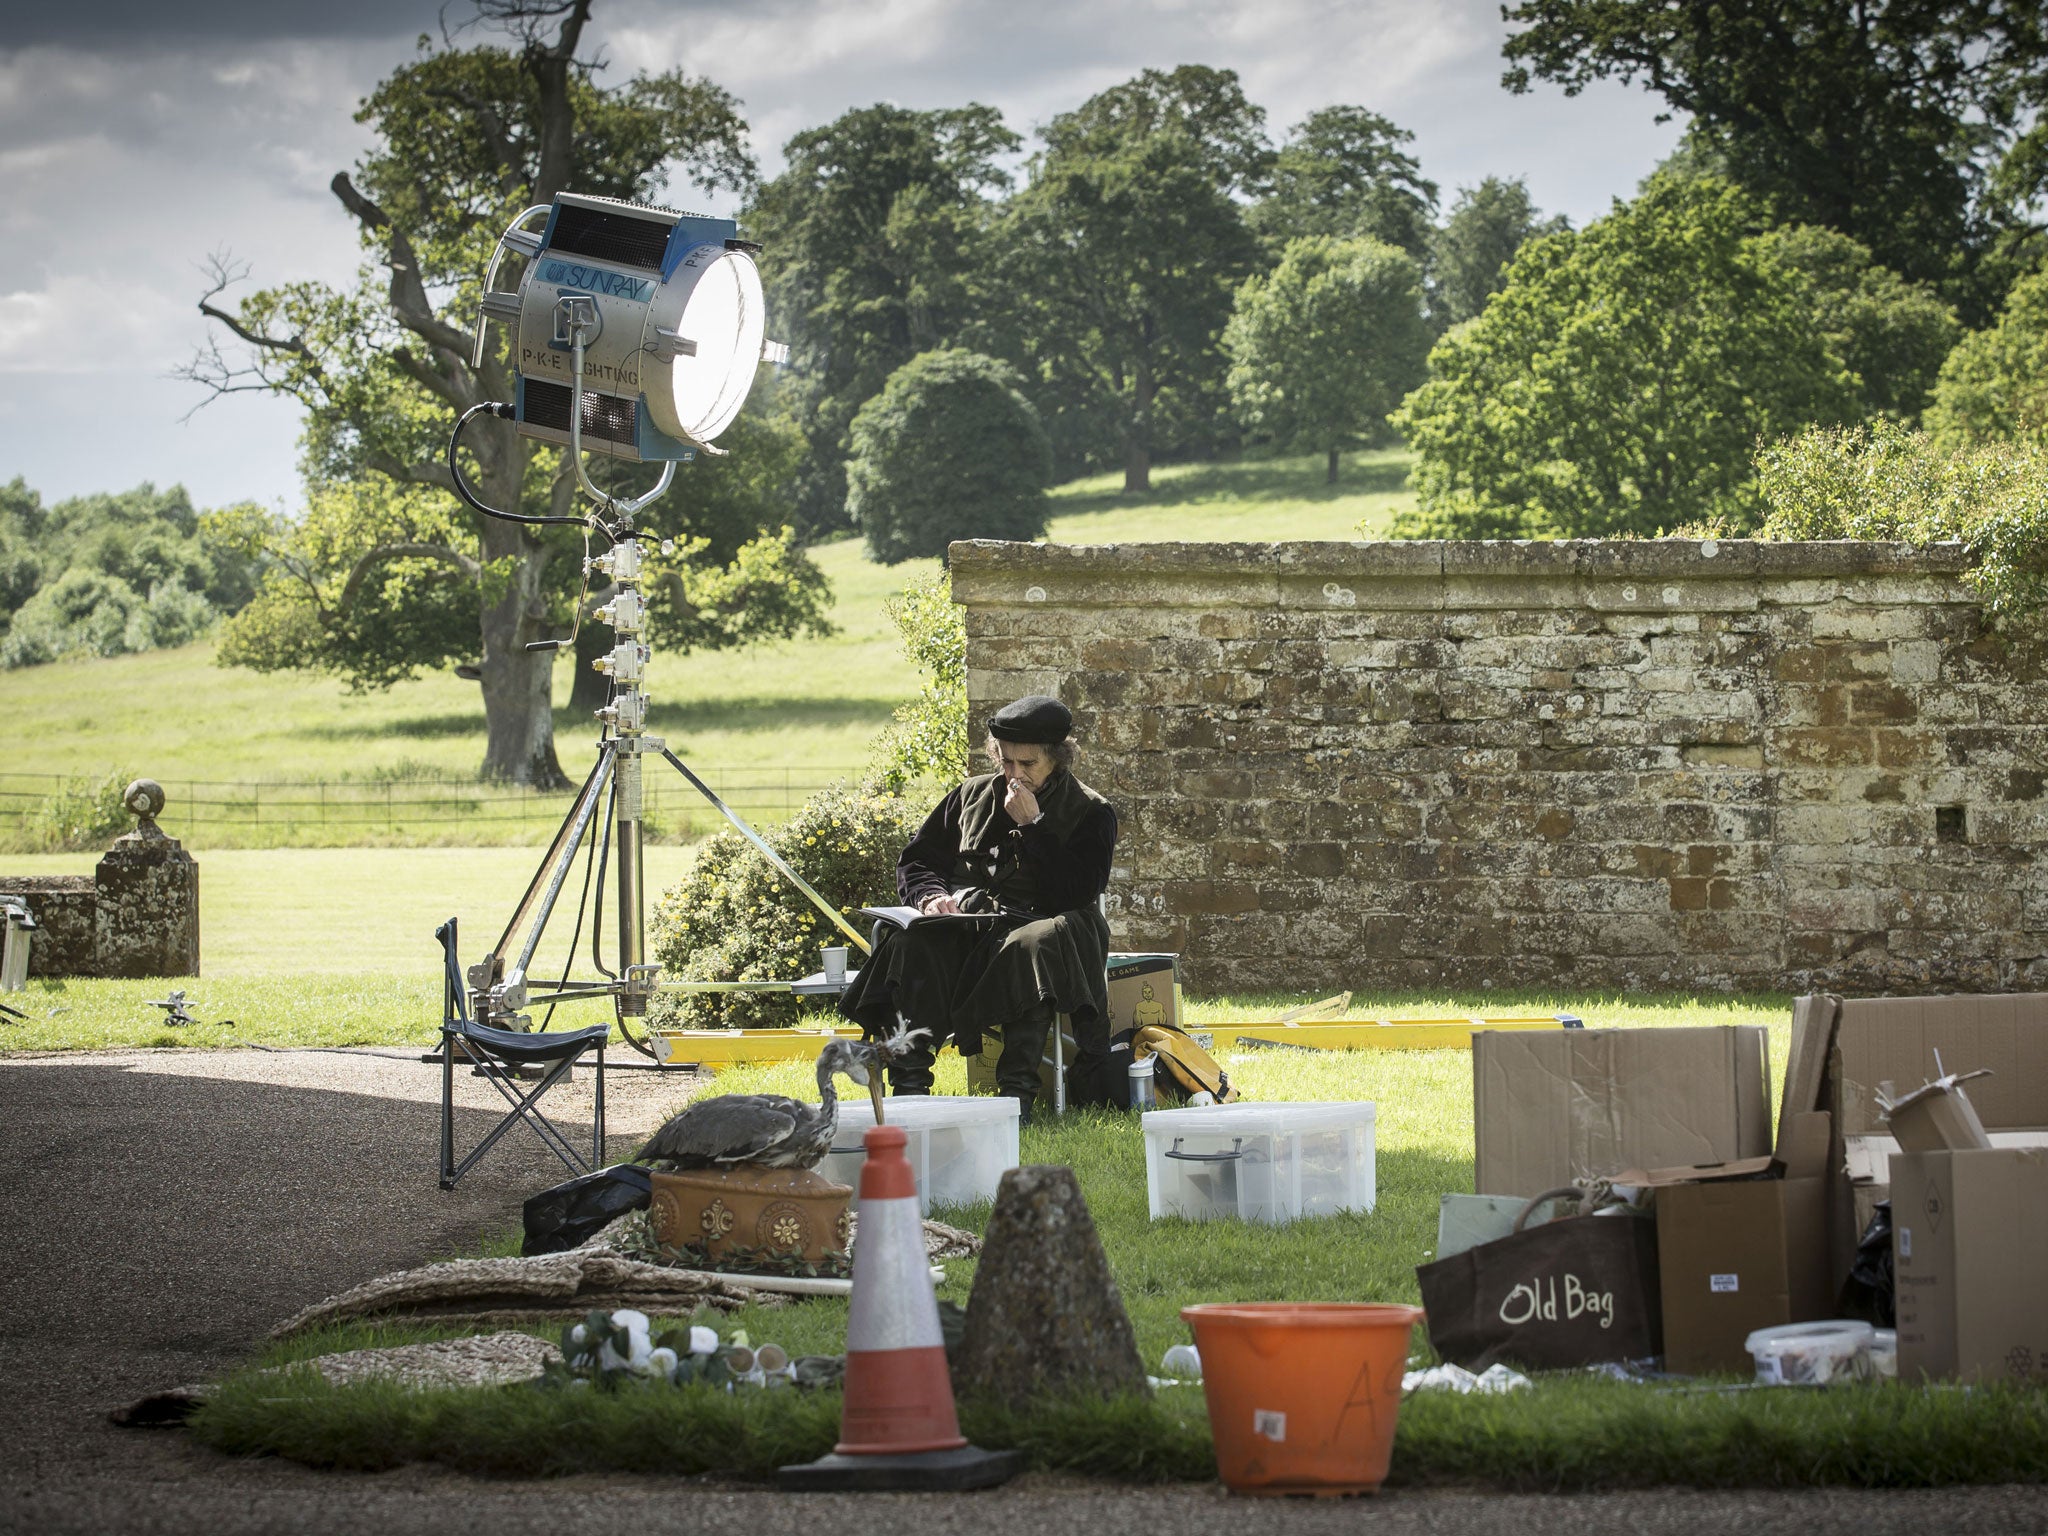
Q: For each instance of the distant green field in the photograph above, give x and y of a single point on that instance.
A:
(766, 724)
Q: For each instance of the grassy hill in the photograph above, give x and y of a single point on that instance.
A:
(764, 725)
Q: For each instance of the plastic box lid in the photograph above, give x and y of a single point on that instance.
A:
(921, 1112)
(1259, 1119)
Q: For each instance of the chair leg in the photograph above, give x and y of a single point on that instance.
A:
(524, 1109)
(597, 1116)
(447, 1111)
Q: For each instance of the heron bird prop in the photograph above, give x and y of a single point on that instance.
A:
(771, 1130)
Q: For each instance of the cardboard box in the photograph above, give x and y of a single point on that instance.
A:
(1144, 989)
(1970, 1256)
(1937, 1117)
(1849, 1056)
(1551, 1107)
(1741, 1246)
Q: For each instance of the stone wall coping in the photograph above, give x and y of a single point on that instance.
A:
(1454, 559)
(46, 885)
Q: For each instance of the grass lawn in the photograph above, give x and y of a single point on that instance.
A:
(1249, 499)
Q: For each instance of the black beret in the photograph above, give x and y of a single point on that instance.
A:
(1036, 720)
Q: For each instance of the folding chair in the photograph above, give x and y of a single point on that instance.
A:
(494, 1052)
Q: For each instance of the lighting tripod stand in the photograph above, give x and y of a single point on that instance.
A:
(670, 305)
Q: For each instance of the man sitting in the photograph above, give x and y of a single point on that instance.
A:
(1025, 852)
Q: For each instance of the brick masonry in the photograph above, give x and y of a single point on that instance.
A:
(1670, 763)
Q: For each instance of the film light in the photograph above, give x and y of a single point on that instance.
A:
(670, 311)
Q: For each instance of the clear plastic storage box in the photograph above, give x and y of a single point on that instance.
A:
(959, 1147)
(1259, 1162)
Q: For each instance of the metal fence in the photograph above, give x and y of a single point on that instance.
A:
(220, 812)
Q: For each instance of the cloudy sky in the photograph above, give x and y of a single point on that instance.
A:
(138, 137)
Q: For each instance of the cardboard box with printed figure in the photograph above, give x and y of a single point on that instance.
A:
(1741, 1246)
(1553, 1106)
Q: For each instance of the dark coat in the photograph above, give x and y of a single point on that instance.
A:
(1040, 936)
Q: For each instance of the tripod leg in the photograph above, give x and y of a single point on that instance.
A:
(831, 912)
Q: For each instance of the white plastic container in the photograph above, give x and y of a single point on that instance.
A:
(1259, 1162)
(959, 1146)
(1812, 1354)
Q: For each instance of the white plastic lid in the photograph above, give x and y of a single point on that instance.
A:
(922, 1111)
(1842, 1336)
(1259, 1119)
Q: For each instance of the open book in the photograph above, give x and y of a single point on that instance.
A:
(903, 917)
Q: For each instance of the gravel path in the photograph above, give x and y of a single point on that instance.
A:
(164, 1208)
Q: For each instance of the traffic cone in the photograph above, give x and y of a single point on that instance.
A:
(898, 1428)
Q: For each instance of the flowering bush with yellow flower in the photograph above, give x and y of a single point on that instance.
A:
(735, 918)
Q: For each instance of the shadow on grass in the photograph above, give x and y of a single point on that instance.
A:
(410, 727)
(780, 715)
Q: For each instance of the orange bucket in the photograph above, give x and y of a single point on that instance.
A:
(1302, 1395)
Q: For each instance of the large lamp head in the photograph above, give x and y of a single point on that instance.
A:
(670, 313)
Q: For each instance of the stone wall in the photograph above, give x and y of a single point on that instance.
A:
(64, 907)
(137, 914)
(1670, 763)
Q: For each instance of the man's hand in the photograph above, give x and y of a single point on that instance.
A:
(1019, 804)
(939, 905)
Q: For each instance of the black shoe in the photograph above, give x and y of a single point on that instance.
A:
(1024, 1103)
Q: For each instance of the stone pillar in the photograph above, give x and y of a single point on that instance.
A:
(147, 918)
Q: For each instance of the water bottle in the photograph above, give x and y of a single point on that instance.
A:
(1144, 1092)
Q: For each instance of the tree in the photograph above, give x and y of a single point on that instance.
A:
(1892, 334)
(1124, 251)
(876, 240)
(1327, 344)
(1994, 385)
(1886, 120)
(108, 574)
(950, 449)
(380, 581)
(1617, 382)
(1343, 172)
(1469, 256)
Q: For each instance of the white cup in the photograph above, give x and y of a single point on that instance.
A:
(835, 963)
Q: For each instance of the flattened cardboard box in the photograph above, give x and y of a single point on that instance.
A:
(1741, 1246)
(1970, 1259)
(1867, 1042)
(1550, 1107)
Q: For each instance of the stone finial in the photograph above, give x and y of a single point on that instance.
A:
(145, 801)
(1045, 1315)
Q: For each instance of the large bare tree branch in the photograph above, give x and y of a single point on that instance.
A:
(371, 559)
(452, 385)
(433, 472)
(409, 299)
(210, 368)
(550, 68)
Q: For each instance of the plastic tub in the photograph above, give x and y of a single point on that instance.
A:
(1259, 1162)
(1302, 1396)
(959, 1147)
(1811, 1354)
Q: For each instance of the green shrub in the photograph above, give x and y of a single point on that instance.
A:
(929, 738)
(950, 449)
(83, 816)
(736, 918)
(1884, 482)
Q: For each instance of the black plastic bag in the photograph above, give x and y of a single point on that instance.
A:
(1868, 1295)
(570, 1214)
